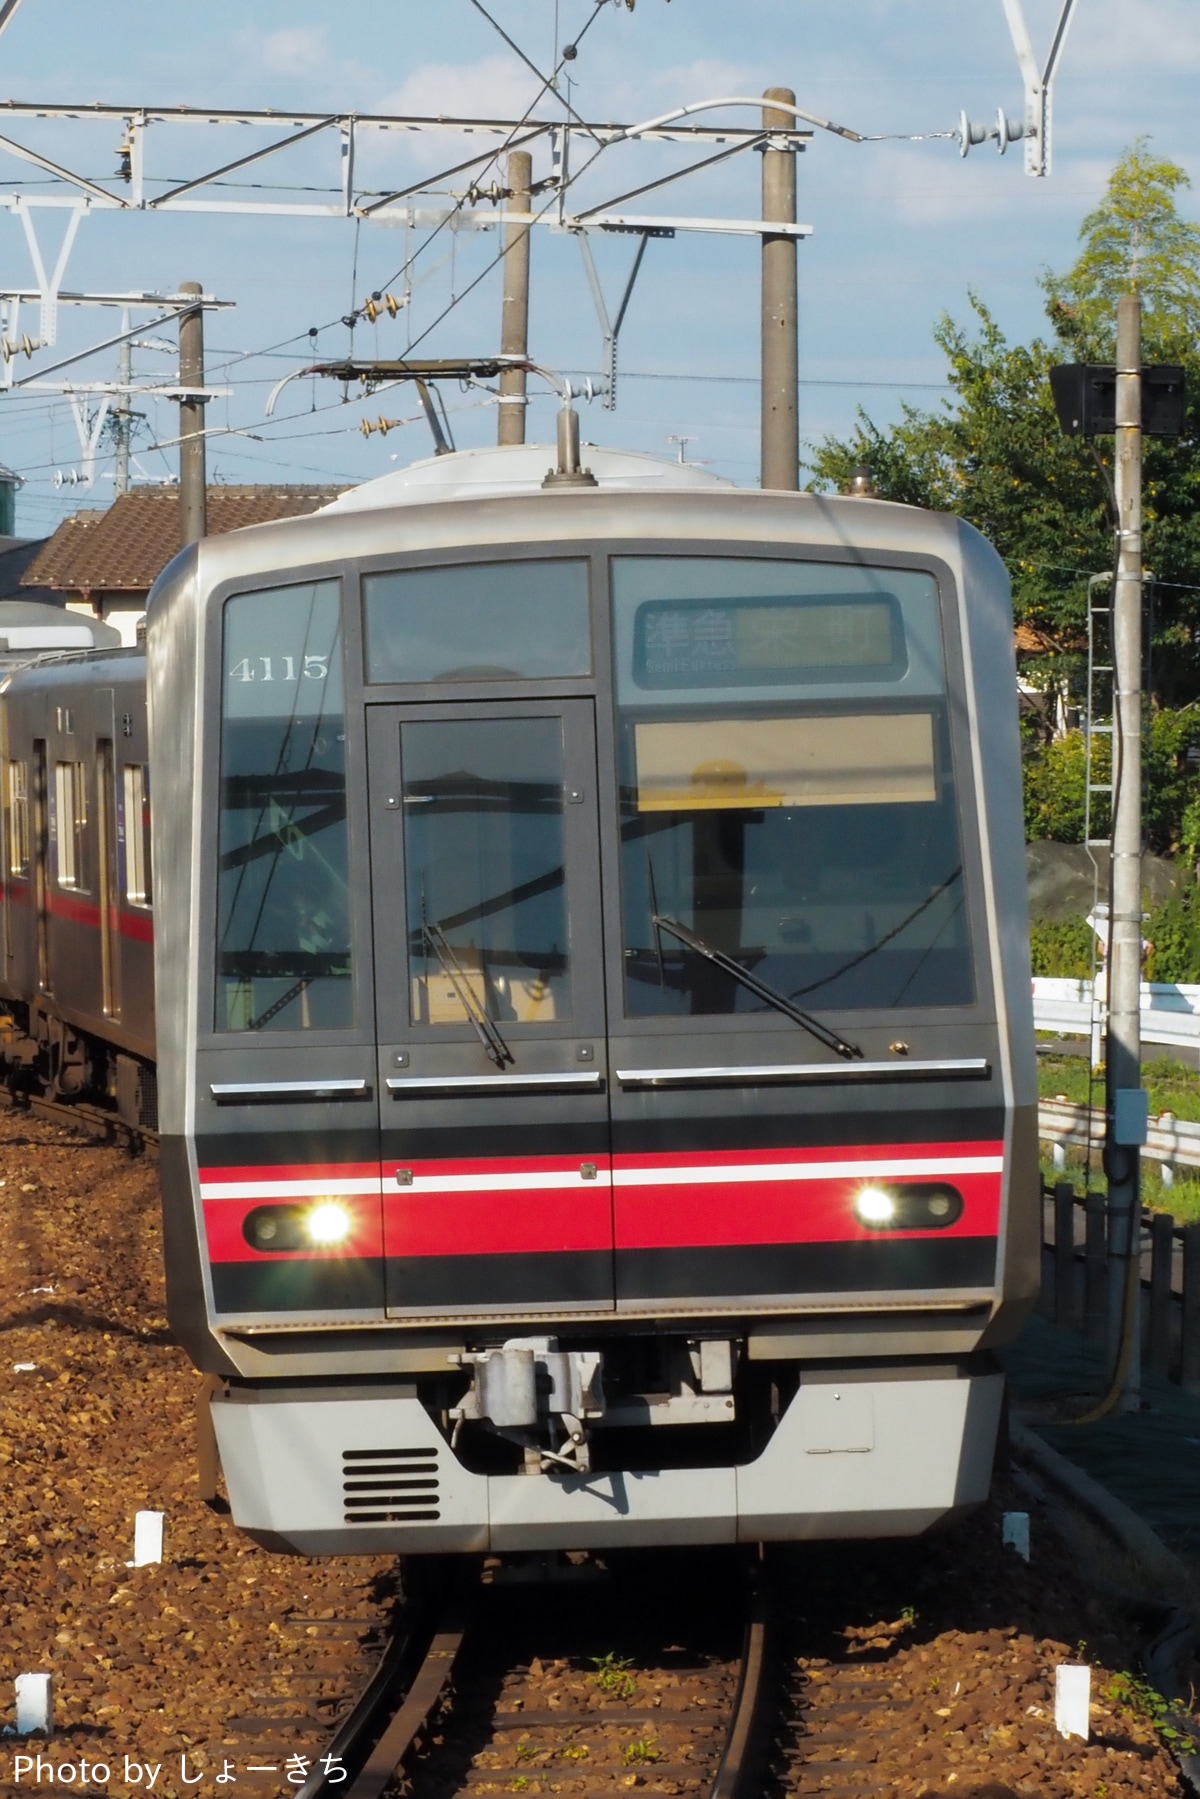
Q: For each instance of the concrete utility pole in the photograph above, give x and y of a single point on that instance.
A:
(514, 321)
(780, 348)
(193, 494)
(1125, 1103)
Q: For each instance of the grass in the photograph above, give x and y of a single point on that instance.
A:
(1182, 1200)
(1172, 1088)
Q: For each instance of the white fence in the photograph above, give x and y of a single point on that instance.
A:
(1170, 1010)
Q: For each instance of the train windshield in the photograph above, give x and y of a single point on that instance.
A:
(787, 791)
(283, 917)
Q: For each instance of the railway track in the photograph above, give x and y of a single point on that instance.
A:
(93, 1121)
(464, 1706)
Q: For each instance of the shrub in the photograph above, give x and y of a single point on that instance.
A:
(1174, 930)
(1062, 946)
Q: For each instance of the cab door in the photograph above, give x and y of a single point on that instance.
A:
(496, 1168)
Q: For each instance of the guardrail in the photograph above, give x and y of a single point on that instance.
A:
(1075, 1274)
(1170, 1009)
(1172, 1141)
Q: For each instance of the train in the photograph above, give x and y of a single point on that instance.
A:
(567, 928)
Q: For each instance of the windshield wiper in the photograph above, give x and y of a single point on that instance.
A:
(483, 1027)
(829, 1038)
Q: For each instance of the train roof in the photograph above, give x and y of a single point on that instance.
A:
(496, 470)
(32, 631)
(494, 497)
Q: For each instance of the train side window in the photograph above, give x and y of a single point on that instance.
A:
(478, 621)
(71, 817)
(18, 819)
(283, 876)
(135, 784)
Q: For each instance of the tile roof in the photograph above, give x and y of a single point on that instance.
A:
(124, 549)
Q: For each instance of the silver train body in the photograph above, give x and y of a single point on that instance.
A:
(594, 1048)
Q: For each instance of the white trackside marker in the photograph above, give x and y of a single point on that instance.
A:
(1072, 1699)
(35, 1704)
(147, 1539)
(1015, 1533)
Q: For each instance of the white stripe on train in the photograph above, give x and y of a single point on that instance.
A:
(688, 1174)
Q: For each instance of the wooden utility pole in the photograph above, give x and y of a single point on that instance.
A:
(514, 321)
(780, 350)
(193, 494)
(1125, 1102)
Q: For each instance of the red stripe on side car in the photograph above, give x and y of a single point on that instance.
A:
(78, 911)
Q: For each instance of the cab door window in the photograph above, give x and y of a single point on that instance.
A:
(484, 861)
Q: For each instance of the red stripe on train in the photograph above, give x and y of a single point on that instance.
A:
(224, 1218)
(713, 1215)
(138, 926)
(485, 1209)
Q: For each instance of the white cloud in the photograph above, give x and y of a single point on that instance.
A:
(497, 87)
(296, 50)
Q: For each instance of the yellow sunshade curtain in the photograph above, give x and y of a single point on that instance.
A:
(867, 759)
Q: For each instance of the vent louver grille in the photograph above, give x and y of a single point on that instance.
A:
(390, 1486)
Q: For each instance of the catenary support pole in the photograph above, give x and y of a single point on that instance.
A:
(514, 322)
(123, 422)
(193, 496)
(1124, 1046)
(780, 350)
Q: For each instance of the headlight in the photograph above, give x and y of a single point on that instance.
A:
(908, 1206)
(875, 1205)
(327, 1224)
(277, 1229)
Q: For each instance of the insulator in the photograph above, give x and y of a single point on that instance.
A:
(382, 425)
(377, 303)
(1007, 131)
(970, 132)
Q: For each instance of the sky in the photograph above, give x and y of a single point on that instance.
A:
(903, 230)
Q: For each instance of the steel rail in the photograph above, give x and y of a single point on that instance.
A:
(374, 1754)
(92, 1119)
(737, 1775)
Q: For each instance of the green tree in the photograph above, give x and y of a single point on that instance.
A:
(1135, 239)
(994, 453)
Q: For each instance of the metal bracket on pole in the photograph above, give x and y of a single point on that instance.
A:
(1038, 85)
(610, 329)
(89, 427)
(48, 288)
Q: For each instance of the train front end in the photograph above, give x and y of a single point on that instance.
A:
(596, 1056)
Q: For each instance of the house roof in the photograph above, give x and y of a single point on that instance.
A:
(124, 549)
